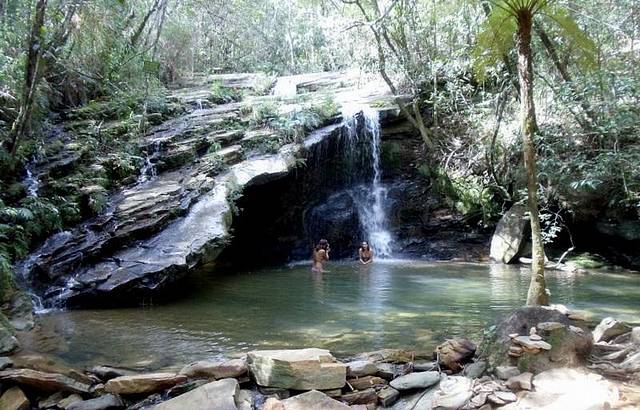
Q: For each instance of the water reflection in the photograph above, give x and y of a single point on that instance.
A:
(403, 304)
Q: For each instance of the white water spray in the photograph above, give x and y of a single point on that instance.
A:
(31, 183)
(371, 197)
(149, 171)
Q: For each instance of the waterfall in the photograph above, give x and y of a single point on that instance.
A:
(31, 182)
(361, 151)
(149, 171)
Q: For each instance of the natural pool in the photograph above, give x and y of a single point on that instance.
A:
(391, 304)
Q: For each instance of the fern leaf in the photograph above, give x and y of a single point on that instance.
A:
(571, 32)
(494, 40)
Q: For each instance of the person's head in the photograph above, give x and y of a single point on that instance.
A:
(324, 244)
(365, 246)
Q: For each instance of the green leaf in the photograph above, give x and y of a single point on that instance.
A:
(585, 47)
(494, 41)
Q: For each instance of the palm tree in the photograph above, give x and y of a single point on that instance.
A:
(507, 19)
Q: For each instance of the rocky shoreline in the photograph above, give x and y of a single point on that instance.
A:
(533, 358)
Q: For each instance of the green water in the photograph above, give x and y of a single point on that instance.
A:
(396, 304)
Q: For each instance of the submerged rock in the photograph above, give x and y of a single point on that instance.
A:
(303, 369)
(144, 383)
(218, 395)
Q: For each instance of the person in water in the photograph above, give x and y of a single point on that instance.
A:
(365, 253)
(320, 255)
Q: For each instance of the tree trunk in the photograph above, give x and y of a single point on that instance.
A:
(537, 289)
(20, 127)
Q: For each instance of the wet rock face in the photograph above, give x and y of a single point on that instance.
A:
(336, 219)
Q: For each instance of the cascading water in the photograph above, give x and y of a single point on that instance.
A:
(149, 171)
(31, 183)
(362, 157)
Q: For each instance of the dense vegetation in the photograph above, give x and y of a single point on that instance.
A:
(93, 62)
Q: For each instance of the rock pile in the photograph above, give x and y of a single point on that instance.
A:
(308, 379)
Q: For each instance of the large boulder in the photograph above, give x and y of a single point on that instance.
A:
(144, 383)
(454, 353)
(313, 400)
(47, 382)
(453, 393)
(509, 236)
(218, 395)
(303, 369)
(569, 345)
(565, 388)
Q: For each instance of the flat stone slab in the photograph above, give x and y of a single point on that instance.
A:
(218, 395)
(144, 383)
(530, 343)
(48, 382)
(313, 400)
(215, 370)
(420, 380)
(14, 399)
(108, 401)
(303, 369)
(360, 368)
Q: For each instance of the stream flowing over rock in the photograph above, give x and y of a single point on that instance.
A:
(211, 168)
(179, 214)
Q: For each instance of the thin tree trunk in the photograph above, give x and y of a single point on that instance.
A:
(566, 76)
(135, 38)
(537, 294)
(21, 125)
